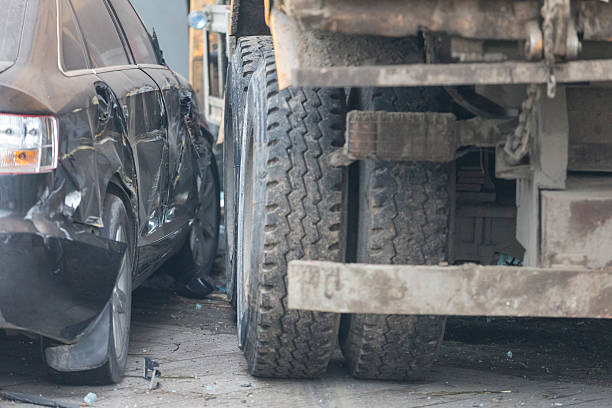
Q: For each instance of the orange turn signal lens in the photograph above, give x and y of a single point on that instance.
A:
(18, 158)
(28, 144)
(26, 157)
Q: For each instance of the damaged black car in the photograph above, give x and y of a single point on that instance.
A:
(106, 173)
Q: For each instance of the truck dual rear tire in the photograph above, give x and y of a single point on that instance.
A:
(286, 202)
(291, 206)
(403, 218)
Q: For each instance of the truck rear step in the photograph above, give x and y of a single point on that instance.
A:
(464, 290)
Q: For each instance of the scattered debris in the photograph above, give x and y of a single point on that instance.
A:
(509, 354)
(475, 392)
(33, 399)
(247, 385)
(210, 388)
(509, 260)
(198, 306)
(90, 398)
(153, 366)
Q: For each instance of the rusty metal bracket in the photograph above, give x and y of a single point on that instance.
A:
(465, 290)
(416, 136)
(404, 136)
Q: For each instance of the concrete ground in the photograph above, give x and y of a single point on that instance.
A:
(483, 363)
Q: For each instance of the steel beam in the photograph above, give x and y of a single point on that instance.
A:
(466, 290)
(491, 19)
(451, 74)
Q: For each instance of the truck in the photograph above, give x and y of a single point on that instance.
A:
(390, 163)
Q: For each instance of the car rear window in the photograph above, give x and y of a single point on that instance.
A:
(135, 32)
(11, 25)
(101, 37)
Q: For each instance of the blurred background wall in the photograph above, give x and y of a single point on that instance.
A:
(182, 45)
(196, 52)
(169, 19)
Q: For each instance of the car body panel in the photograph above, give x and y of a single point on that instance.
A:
(116, 126)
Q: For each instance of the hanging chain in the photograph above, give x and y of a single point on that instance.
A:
(550, 14)
(517, 145)
(560, 37)
(549, 55)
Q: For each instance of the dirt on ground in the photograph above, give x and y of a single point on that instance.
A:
(484, 362)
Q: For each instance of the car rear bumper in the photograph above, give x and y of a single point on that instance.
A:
(54, 279)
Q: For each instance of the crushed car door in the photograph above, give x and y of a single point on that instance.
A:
(180, 207)
(142, 106)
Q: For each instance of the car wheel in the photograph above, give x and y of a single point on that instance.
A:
(118, 226)
(193, 264)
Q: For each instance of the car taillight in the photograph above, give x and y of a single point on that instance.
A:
(28, 144)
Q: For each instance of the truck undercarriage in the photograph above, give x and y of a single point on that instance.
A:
(475, 167)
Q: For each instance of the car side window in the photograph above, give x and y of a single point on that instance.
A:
(135, 31)
(101, 37)
(73, 49)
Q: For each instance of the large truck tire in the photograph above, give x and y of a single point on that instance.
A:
(243, 63)
(291, 207)
(403, 218)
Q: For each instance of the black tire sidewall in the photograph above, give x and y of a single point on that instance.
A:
(254, 156)
(230, 179)
(116, 364)
(238, 78)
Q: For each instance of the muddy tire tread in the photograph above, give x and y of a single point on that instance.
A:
(404, 215)
(304, 218)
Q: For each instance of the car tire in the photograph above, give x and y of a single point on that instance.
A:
(241, 67)
(291, 207)
(403, 218)
(119, 226)
(192, 265)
